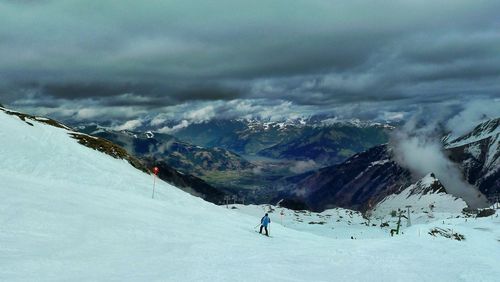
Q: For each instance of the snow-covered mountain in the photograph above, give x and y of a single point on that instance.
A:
(368, 177)
(478, 154)
(257, 125)
(93, 142)
(427, 195)
(97, 139)
(74, 213)
(358, 183)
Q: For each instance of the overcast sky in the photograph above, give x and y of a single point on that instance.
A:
(128, 60)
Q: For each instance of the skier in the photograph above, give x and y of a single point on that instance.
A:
(264, 222)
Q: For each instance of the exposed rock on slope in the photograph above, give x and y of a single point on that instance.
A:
(182, 156)
(358, 183)
(478, 154)
(95, 143)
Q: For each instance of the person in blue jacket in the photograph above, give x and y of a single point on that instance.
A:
(264, 222)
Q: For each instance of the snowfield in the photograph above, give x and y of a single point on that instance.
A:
(444, 205)
(70, 213)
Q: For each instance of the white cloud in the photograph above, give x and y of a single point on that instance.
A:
(473, 113)
(419, 149)
(88, 113)
(303, 166)
(184, 123)
(201, 114)
(129, 125)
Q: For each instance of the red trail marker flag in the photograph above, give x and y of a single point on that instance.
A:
(156, 170)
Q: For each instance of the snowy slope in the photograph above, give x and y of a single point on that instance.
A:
(70, 213)
(487, 129)
(334, 223)
(478, 154)
(421, 196)
(487, 133)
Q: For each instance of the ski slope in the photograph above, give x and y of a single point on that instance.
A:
(70, 213)
(334, 223)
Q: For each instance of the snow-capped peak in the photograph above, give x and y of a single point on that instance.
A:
(482, 131)
(258, 124)
(428, 184)
(425, 195)
(353, 122)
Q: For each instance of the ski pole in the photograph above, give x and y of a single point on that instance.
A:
(154, 182)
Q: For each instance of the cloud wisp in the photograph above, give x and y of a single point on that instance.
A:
(417, 146)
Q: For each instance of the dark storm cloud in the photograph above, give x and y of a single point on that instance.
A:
(80, 90)
(124, 94)
(208, 92)
(319, 54)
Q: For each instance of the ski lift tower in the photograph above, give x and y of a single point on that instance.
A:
(400, 215)
(408, 221)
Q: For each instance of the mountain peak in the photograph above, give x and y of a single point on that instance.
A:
(429, 184)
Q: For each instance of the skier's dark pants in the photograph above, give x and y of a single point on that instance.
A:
(265, 228)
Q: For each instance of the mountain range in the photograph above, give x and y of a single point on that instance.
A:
(322, 141)
(184, 157)
(359, 182)
(246, 157)
(367, 178)
(349, 164)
